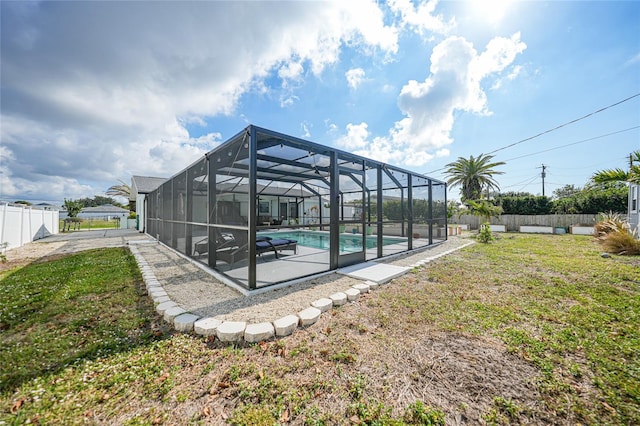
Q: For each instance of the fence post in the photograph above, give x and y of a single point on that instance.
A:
(4, 222)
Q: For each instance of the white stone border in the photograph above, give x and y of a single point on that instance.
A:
(237, 331)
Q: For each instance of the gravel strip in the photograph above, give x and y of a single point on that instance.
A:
(202, 294)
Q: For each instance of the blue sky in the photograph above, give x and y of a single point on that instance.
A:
(93, 92)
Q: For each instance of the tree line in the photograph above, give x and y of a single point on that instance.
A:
(606, 191)
(592, 199)
(73, 207)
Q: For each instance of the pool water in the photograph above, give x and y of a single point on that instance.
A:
(320, 240)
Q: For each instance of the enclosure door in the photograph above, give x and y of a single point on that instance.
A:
(351, 214)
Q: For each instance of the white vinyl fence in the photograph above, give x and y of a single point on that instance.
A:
(21, 224)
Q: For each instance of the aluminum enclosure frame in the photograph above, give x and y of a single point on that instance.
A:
(335, 208)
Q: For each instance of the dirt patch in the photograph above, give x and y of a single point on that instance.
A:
(27, 253)
(460, 374)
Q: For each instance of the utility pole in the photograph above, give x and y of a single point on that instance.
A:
(543, 174)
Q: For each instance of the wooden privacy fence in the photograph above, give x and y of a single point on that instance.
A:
(514, 221)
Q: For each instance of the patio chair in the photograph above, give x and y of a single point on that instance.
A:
(266, 244)
(224, 240)
(238, 250)
(231, 247)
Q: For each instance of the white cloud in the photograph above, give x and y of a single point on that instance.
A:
(306, 129)
(356, 137)
(291, 71)
(499, 53)
(85, 105)
(515, 72)
(388, 88)
(421, 18)
(382, 149)
(632, 60)
(454, 83)
(287, 100)
(332, 128)
(355, 77)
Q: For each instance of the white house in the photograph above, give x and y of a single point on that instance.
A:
(141, 186)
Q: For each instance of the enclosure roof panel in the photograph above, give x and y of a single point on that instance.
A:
(292, 159)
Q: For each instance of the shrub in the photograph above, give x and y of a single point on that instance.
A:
(623, 243)
(530, 204)
(614, 235)
(593, 199)
(485, 235)
(607, 223)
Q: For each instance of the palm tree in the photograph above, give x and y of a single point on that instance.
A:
(73, 208)
(474, 175)
(619, 175)
(122, 190)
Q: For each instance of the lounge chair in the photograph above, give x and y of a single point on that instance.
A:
(232, 247)
(266, 244)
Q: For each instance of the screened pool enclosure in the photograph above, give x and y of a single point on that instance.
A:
(265, 208)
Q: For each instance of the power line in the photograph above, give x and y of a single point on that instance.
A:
(527, 184)
(574, 143)
(565, 124)
(559, 127)
(596, 165)
(526, 181)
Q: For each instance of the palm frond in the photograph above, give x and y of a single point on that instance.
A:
(122, 190)
(619, 175)
(610, 175)
(634, 174)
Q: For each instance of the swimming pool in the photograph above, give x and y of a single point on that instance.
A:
(320, 240)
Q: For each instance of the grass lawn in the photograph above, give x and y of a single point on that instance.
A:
(531, 329)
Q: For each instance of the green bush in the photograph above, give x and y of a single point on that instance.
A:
(485, 235)
(593, 200)
(529, 204)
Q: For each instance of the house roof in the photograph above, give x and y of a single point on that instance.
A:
(48, 206)
(144, 184)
